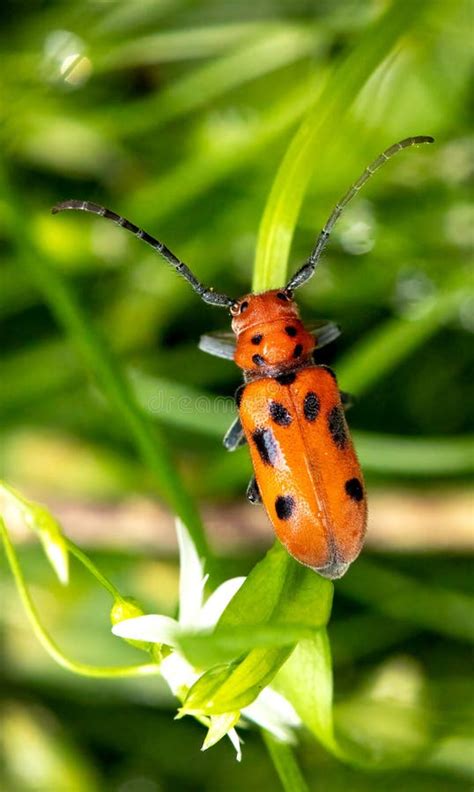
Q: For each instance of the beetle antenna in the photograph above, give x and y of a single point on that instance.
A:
(206, 294)
(307, 270)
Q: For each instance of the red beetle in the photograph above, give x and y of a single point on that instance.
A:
(291, 412)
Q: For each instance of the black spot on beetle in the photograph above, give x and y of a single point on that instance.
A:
(258, 360)
(279, 414)
(311, 406)
(354, 489)
(297, 350)
(284, 506)
(244, 306)
(238, 394)
(287, 378)
(291, 331)
(256, 339)
(282, 296)
(337, 426)
(266, 445)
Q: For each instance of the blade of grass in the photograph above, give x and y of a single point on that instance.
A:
(316, 133)
(76, 667)
(101, 362)
(401, 597)
(200, 171)
(194, 410)
(390, 343)
(170, 45)
(275, 49)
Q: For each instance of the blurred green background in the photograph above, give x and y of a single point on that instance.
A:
(177, 114)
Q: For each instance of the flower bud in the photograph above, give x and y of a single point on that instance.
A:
(128, 608)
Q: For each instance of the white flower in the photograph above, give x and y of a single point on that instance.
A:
(270, 710)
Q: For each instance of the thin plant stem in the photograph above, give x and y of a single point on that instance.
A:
(48, 644)
(109, 373)
(285, 764)
(86, 561)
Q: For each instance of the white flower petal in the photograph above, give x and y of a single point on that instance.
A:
(236, 741)
(178, 673)
(191, 578)
(215, 606)
(272, 711)
(153, 628)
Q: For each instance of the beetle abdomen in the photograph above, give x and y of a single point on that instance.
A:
(306, 467)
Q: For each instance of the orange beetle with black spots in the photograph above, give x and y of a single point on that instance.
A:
(290, 409)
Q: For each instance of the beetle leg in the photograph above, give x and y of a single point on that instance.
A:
(253, 492)
(234, 437)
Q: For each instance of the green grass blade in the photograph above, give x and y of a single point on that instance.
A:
(103, 365)
(316, 133)
(395, 340)
(271, 51)
(401, 597)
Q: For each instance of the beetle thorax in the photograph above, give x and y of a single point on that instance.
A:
(270, 334)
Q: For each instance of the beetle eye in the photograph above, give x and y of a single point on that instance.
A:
(282, 296)
(244, 306)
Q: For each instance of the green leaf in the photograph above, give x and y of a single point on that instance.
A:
(306, 681)
(279, 593)
(203, 649)
(278, 589)
(233, 686)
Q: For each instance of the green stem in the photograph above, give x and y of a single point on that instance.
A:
(86, 561)
(83, 669)
(285, 764)
(109, 373)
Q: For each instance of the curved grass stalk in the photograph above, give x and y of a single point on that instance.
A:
(91, 567)
(48, 644)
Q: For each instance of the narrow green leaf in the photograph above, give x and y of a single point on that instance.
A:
(402, 597)
(278, 589)
(232, 687)
(102, 363)
(228, 643)
(316, 134)
(278, 593)
(306, 681)
(274, 49)
(390, 343)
